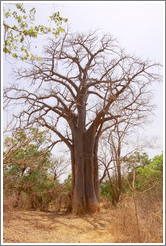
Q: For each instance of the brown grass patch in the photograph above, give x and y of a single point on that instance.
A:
(111, 225)
(147, 227)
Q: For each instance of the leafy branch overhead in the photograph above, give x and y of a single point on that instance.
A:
(19, 25)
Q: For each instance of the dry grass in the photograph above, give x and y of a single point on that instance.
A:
(147, 227)
(111, 225)
(8, 203)
(11, 202)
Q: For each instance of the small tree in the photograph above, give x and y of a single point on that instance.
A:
(27, 163)
(114, 150)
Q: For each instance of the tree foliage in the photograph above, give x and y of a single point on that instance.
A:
(26, 147)
(19, 25)
(27, 164)
(149, 175)
(140, 160)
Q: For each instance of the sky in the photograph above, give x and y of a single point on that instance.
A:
(137, 25)
(139, 28)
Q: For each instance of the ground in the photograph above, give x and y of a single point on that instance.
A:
(48, 227)
(119, 224)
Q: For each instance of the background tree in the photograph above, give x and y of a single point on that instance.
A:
(149, 172)
(27, 167)
(114, 148)
(82, 82)
(139, 174)
(111, 147)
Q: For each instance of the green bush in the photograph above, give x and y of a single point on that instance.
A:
(105, 190)
(67, 184)
(150, 175)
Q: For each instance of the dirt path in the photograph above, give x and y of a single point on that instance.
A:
(42, 227)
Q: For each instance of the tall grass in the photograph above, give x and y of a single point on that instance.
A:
(142, 226)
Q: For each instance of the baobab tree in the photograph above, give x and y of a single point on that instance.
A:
(81, 82)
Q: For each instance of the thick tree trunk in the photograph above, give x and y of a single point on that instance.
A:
(79, 198)
(85, 197)
(91, 196)
(84, 166)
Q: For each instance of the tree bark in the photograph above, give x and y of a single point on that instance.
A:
(79, 198)
(85, 197)
(92, 202)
